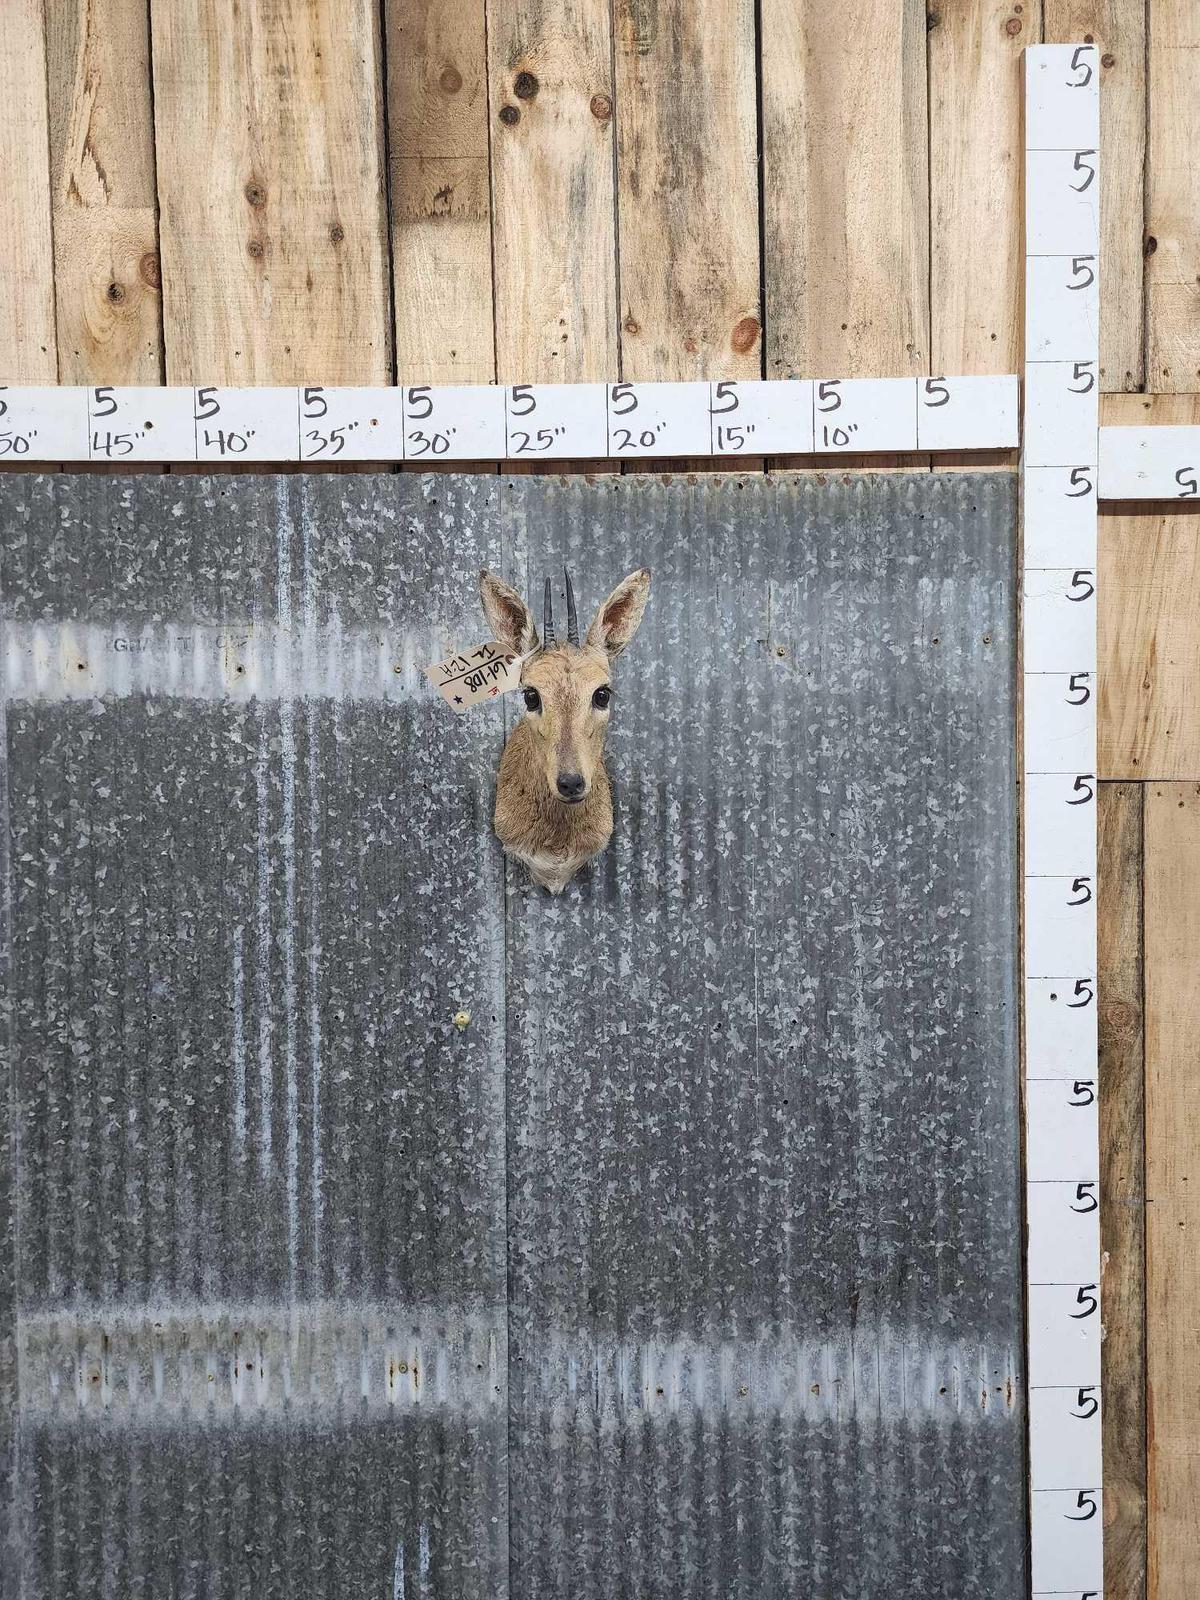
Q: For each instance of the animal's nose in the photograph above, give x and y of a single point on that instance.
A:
(571, 785)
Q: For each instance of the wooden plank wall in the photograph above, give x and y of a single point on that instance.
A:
(466, 190)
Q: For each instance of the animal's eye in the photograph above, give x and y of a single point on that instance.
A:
(533, 700)
(602, 697)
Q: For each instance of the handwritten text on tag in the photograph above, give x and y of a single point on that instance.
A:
(482, 673)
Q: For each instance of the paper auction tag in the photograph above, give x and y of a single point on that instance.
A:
(483, 673)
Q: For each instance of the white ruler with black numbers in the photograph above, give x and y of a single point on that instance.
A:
(1059, 492)
(436, 425)
(1158, 463)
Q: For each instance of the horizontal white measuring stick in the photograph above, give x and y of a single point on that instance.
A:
(1160, 463)
(1059, 497)
(523, 422)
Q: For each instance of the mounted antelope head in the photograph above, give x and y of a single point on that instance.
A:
(553, 802)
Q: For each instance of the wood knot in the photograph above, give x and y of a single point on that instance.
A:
(115, 293)
(1012, 27)
(1120, 1017)
(1150, 246)
(337, 233)
(601, 107)
(509, 115)
(1108, 60)
(525, 86)
(450, 81)
(744, 334)
(632, 325)
(149, 270)
(255, 250)
(255, 194)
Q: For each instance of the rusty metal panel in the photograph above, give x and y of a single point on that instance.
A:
(259, 1171)
(764, 1218)
(758, 1121)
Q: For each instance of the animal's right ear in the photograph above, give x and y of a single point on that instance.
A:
(509, 617)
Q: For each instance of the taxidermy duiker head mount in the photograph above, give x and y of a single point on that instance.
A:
(553, 802)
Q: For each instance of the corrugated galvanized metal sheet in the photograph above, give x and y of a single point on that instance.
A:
(759, 1174)
(261, 1172)
(763, 1151)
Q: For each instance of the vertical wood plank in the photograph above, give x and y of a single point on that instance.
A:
(687, 189)
(106, 270)
(551, 97)
(271, 192)
(845, 188)
(975, 154)
(1118, 28)
(1172, 934)
(1172, 221)
(441, 191)
(27, 339)
(1122, 1187)
(1149, 643)
(1149, 623)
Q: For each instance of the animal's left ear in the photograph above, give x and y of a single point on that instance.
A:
(618, 618)
(507, 614)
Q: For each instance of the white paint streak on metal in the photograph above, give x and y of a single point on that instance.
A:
(309, 666)
(287, 740)
(262, 976)
(240, 662)
(262, 1372)
(287, 1380)
(289, 989)
(239, 1041)
(416, 1368)
(423, 1559)
(14, 1122)
(297, 1367)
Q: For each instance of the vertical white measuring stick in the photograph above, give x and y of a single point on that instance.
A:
(1059, 493)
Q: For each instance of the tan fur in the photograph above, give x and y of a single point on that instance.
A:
(552, 838)
(550, 835)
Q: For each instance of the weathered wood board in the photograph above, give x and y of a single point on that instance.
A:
(105, 205)
(1122, 1186)
(1172, 934)
(28, 346)
(440, 191)
(274, 264)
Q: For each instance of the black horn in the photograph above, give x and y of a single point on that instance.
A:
(547, 620)
(572, 619)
